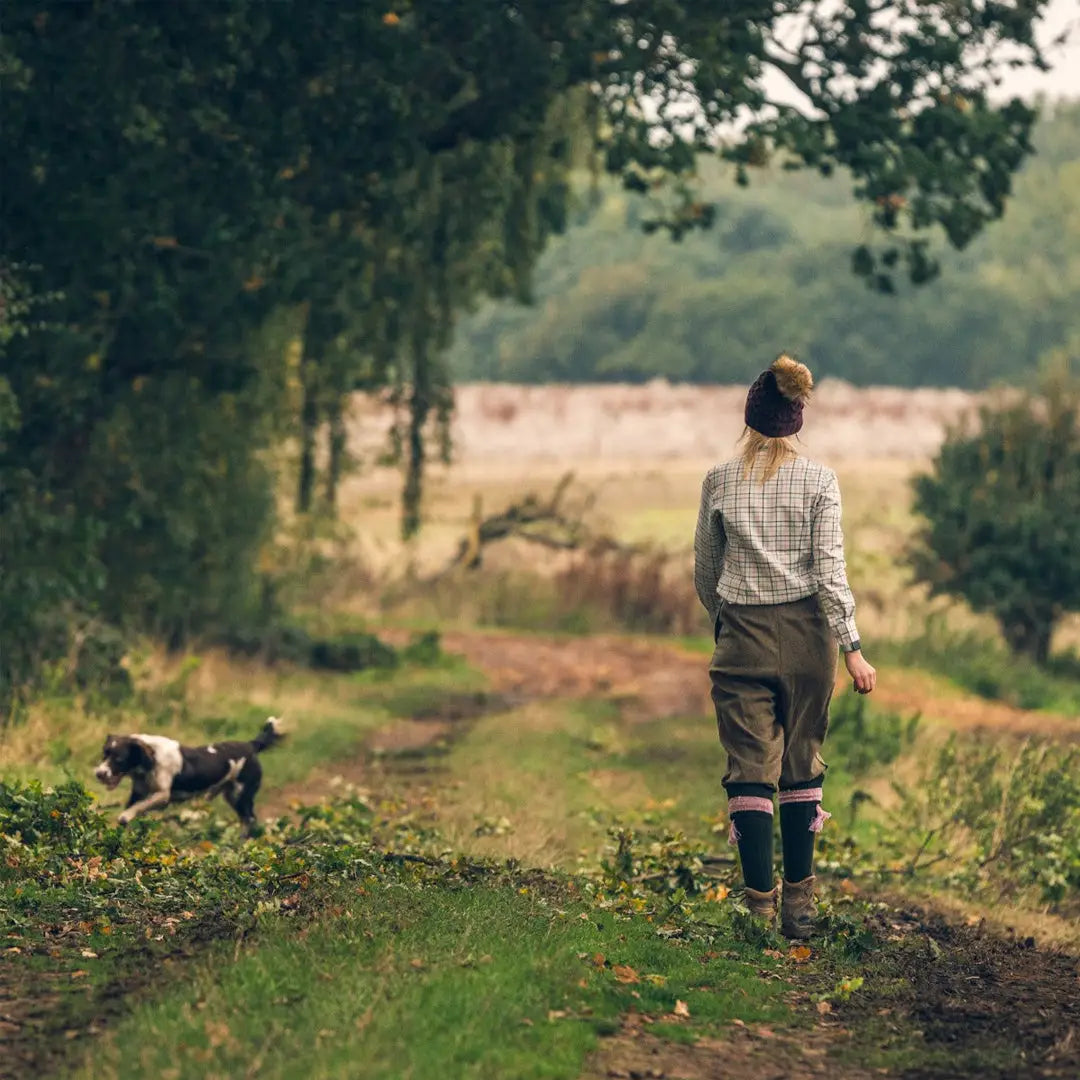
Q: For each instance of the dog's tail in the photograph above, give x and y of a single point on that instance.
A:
(272, 732)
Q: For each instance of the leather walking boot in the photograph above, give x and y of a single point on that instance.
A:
(797, 909)
(762, 905)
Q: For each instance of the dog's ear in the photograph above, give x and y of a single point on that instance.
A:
(142, 756)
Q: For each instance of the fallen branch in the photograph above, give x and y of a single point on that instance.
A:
(538, 521)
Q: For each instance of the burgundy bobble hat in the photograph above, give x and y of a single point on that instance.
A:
(774, 404)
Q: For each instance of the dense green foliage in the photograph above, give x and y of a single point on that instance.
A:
(189, 184)
(775, 271)
(1002, 513)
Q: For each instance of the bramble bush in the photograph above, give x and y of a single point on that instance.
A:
(1002, 816)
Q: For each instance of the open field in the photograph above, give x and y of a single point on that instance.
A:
(638, 454)
(510, 860)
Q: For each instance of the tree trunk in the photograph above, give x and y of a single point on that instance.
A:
(1029, 635)
(323, 325)
(337, 446)
(309, 422)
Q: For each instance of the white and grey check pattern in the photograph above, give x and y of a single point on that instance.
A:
(774, 543)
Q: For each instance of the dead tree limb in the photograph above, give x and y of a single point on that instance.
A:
(536, 520)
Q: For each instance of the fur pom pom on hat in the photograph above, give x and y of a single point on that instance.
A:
(774, 405)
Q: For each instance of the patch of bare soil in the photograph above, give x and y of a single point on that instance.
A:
(990, 1005)
(650, 679)
(916, 694)
(946, 1001)
(653, 680)
(748, 1053)
(46, 1015)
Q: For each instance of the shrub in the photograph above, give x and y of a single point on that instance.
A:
(1002, 511)
(285, 642)
(1002, 816)
(861, 738)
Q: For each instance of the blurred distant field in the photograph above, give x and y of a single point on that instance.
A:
(638, 455)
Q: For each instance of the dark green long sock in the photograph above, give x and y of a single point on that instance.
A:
(797, 839)
(755, 838)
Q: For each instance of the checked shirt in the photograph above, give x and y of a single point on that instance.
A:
(774, 543)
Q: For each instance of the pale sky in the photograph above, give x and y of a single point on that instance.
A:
(1064, 79)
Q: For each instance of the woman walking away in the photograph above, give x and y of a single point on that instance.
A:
(769, 568)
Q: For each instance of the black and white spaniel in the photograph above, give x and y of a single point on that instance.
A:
(162, 771)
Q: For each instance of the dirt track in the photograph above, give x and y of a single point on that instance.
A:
(653, 679)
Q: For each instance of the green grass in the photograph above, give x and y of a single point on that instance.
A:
(431, 982)
(328, 717)
(984, 667)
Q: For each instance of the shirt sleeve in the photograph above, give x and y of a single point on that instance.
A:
(829, 568)
(708, 549)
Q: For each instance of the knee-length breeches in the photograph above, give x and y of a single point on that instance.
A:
(773, 672)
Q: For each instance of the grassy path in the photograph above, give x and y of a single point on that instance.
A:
(433, 966)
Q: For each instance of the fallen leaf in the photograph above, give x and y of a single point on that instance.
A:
(656, 980)
(800, 953)
(599, 960)
(625, 974)
(90, 954)
(417, 963)
(556, 1014)
(79, 974)
(776, 954)
(824, 1007)
(526, 1021)
(682, 1009)
(765, 1033)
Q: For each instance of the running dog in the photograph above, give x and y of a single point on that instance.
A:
(162, 771)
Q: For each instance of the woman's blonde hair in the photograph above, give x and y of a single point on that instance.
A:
(766, 453)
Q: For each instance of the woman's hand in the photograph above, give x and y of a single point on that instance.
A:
(862, 674)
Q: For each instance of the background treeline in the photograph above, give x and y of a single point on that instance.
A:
(775, 272)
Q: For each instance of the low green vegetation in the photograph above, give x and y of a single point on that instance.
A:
(982, 666)
(342, 932)
(392, 932)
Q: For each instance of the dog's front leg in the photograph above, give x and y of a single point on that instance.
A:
(158, 798)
